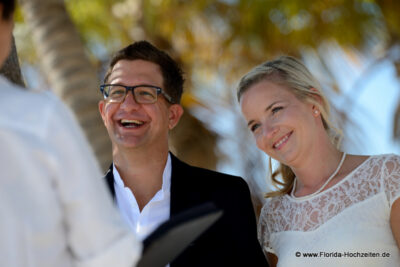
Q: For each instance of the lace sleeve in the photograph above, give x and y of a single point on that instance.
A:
(391, 178)
(263, 231)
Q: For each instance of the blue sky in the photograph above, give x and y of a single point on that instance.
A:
(375, 100)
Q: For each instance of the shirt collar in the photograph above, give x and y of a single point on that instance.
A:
(166, 186)
(166, 178)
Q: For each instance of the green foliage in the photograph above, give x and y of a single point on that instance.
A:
(217, 41)
(103, 26)
(230, 36)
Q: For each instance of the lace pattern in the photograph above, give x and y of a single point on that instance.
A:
(391, 174)
(374, 175)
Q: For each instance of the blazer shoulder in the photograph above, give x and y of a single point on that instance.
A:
(206, 176)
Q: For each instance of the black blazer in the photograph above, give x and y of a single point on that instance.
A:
(232, 240)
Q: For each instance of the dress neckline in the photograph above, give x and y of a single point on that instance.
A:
(319, 190)
(300, 199)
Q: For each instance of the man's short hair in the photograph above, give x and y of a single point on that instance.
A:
(8, 9)
(143, 50)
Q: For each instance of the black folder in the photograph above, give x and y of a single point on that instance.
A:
(172, 237)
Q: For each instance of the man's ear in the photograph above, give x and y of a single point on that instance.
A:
(175, 113)
(102, 106)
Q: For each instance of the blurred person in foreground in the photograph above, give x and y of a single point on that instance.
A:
(344, 208)
(54, 209)
(142, 91)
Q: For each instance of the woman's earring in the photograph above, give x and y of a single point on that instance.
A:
(316, 112)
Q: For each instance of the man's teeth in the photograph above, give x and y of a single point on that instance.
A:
(281, 141)
(131, 123)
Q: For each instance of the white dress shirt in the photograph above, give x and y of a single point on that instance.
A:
(54, 207)
(153, 214)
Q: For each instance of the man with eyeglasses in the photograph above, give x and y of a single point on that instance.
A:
(142, 90)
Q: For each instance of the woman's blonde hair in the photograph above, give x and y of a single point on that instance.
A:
(292, 74)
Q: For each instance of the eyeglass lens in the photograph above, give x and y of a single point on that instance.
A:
(142, 94)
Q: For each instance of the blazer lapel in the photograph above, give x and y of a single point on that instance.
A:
(183, 181)
(110, 180)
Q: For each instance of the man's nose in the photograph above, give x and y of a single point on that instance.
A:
(129, 102)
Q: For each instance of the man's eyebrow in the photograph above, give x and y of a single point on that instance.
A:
(267, 108)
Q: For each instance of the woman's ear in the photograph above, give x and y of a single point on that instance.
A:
(316, 96)
(315, 111)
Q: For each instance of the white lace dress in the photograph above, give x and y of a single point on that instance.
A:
(345, 225)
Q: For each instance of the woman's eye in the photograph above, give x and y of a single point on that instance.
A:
(276, 109)
(254, 127)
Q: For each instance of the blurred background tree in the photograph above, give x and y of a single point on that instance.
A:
(216, 42)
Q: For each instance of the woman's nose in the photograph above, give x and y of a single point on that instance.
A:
(269, 130)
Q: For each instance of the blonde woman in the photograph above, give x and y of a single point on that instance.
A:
(330, 208)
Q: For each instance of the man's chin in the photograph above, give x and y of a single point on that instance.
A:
(129, 143)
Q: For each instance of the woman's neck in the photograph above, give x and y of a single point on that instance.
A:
(316, 169)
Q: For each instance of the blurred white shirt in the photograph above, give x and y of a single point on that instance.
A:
(153, 214)
(54, 207)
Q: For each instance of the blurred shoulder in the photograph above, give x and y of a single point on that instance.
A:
(15, 97)
(28, 111)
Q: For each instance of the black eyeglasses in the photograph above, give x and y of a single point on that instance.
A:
(143, 94)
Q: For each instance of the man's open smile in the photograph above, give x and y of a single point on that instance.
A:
(131, 123)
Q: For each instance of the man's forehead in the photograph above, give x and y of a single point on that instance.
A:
(136, 66)
(136, 69)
